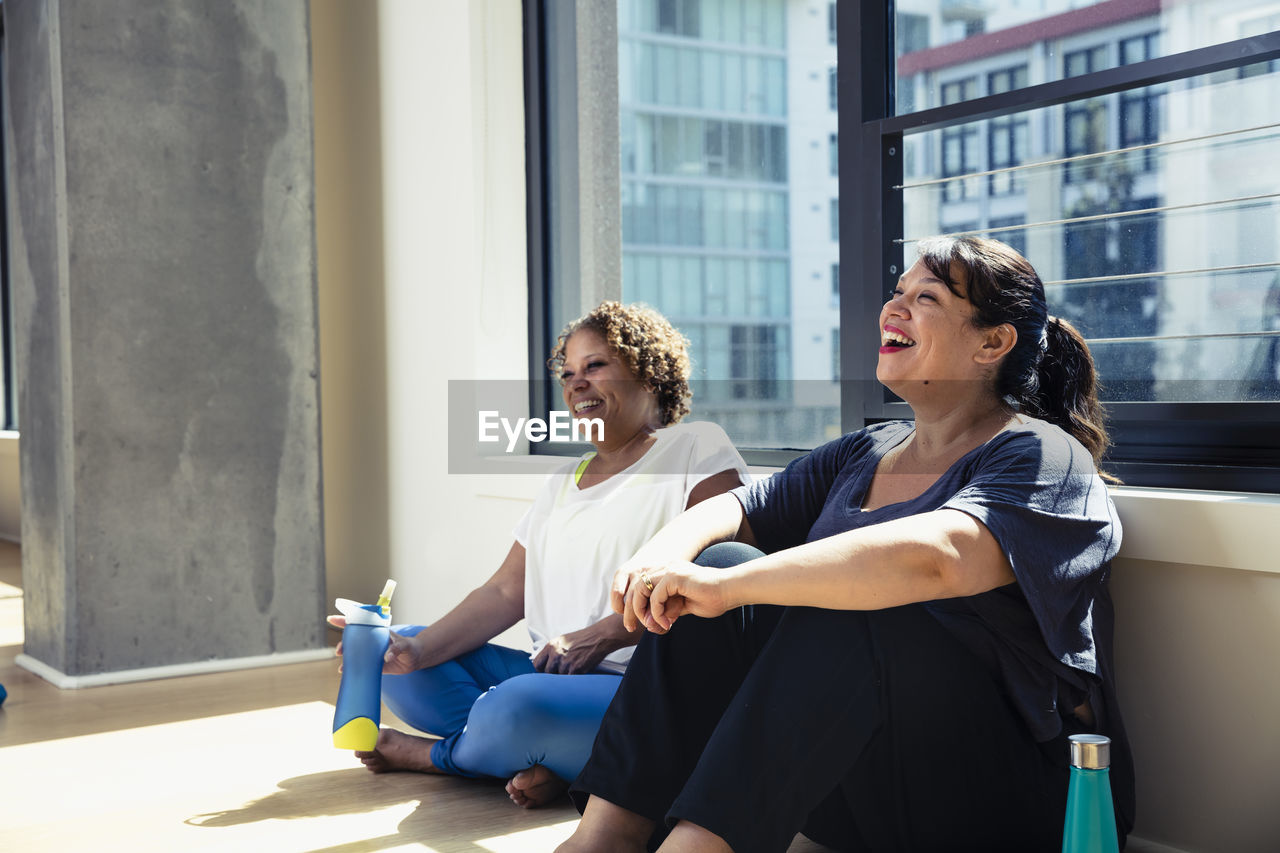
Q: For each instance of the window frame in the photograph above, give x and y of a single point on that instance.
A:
(1208, 446)
(1217, 446)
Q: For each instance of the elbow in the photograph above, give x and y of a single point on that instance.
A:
(960, 572)
(957, 574)
(948, 573)
(965, 558)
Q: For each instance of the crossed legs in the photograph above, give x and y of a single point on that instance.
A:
(496, 717)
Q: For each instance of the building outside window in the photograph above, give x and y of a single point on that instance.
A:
(1167, 258)
(719, 190)
(1011, 230)
(1008, 137)
(1140, 111)
(959, 144)
(1008, 119)
(1085, 124)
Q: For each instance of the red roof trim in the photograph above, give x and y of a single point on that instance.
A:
(1023, 35)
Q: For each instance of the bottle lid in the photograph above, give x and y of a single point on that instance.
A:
(1092, 752)
(362, 614)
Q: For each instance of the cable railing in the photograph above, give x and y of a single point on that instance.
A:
(1068, 282)
(1079, 158)
(1100, 217)
(1191, 336)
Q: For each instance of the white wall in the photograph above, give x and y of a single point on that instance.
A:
(1197, 593)
(420, 216)
(455, 261)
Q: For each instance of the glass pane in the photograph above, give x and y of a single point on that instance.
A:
(725, 112)
(1156, 228)
(936, 40)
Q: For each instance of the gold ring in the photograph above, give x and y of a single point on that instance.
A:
(648, 584)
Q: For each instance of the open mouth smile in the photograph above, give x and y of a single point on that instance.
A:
(893, 340)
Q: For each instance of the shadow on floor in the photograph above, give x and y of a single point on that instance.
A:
(475, 808)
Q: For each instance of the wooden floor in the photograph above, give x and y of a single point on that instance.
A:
(237, 760)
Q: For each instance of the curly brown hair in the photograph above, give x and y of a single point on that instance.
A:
(651, 348)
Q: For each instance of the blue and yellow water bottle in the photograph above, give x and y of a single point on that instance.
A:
(364, 645)
(1091, 816)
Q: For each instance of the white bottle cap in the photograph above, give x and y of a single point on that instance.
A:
(360, 614)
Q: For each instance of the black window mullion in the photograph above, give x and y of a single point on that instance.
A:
(1179, 66)
(866, 251)
(536, 214)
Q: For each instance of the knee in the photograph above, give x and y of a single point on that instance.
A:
(722, 555)
(521, 705)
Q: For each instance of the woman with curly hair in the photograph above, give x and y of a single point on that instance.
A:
(531, 719)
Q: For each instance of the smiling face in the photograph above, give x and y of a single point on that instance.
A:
(597, 384)
(927, 335)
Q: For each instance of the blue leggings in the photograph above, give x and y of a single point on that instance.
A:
(498, 715)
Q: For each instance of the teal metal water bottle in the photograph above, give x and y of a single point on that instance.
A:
(364, 644)
(1091, 816)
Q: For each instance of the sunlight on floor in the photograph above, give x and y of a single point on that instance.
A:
(542, 838)
(215, 783)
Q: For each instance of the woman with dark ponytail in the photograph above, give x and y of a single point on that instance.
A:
(887, 644)
(1049, 373)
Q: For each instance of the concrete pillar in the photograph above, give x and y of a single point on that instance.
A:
(161, 225)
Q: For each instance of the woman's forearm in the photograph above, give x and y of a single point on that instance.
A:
(478, 618)
(944, 554)
(485, 613)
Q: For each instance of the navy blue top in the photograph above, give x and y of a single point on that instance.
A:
(1047, 637)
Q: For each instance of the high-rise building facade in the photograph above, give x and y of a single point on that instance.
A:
(729, 215)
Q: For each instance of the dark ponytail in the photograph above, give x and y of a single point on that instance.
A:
(1049, 373)
(1066, 388)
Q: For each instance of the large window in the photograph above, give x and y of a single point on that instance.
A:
(728, 184)
(1144, 185)
(1131, 151)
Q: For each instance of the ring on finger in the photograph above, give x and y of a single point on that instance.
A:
(648, 584)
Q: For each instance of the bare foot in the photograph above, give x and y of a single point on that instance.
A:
(535, 787)
(398, 750)
(606, 826)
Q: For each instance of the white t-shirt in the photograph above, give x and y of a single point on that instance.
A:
(575, 539)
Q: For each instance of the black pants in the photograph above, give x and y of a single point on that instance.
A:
(869, 731)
